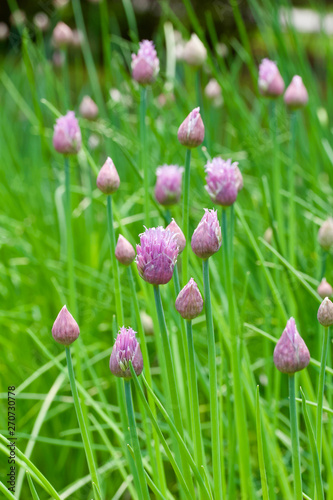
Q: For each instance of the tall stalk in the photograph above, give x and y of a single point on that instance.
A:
(291, 184)
(319, 416)
(186, 214)
(294, 440)
(143, 152)
(69, 241)
(114, 263)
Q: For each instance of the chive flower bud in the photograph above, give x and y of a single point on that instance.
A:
(4, 31)
(41, 21)
(145, 64)
(180, 238)
(191, 132)
(65, 329)
(168, 184)
(207, 237)
(325, 234)
(270, 81)
(325, 313)
(291, 353)
(296, 95)
(88, 108)
(157, 255)
(194, 52)
(224, 180)
(108, 179)
(62, 35)
(324, 289)
(124, 251)
(189, 302)
(126, 348)
(67, 134)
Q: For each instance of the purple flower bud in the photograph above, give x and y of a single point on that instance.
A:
(67, 134)
(145, 65)
(157, 255)
(168, 184)
(65, 329)
(291, 354)
(207, 237)
(325, 234)
(180, 238)
(124, 252)
(108, 179)
(270, 82)
(325, 313)
(296, 95)
(213, 89)
(194, 51)
(224, 180)
(126, 348)
(41, 21)
(189, 302)
(62, 35)
(324, 289)
(191, 132)
(88, 108)
(4, 31)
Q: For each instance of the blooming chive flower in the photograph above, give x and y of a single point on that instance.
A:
(124, 251)
(67, 134)
(224, 180)
(325, 313)
(207, 237)
(62, 35)
(180, 238)
(270, 81)
(291, 353)
(126, 348)
(168, 184)
(194, 51)
(324, 289)
(189, 302)
(191, 132)
(325, 234)
(65, 329)
(145, 64)
(157, 255)
(296, 95)
(88, 108)
(108, 179)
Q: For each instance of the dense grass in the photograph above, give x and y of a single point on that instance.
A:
(271, 283)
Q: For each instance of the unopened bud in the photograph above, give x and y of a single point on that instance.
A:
(325, 313)
(124, 252)
(108, 179)
(65, 329)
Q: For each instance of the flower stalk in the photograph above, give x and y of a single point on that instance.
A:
(294, 439)
(186, 214)
(115, 268)
(143, 152)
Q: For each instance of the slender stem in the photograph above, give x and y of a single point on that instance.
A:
(291, 175)
(114, 263)
(82, 425)
(214, 412)
(323, 264)
(69, 238)
(135, 442)
(186, 213)
(294, 440)
(319, 416)
(143, 152)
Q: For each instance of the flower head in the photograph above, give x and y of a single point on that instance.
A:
(157, 255)
(180, 238)
(296, 95)
(145, 64)
(41, 21)
(62, 35)
(189, 302)
(124, 251)
(88, 108)
(108, 179)
(270, 82)
(67, 134)
(126, 348)
(325, 234)
(65, 329)
(207, 238)
(325, 313)
(191, 132)
(324, 289)
(194, 51)
(168, 184)
(224, 180)
(291, 353)
(213, 89)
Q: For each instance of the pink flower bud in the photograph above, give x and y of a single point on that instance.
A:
(180, 238)
(126, 348)
(296, 95)
(108, 179)
(67, 134)
(65, 329)
(145, 65)
(168, 184)
(325, 234)
(4, 31)
(207, 237)
(224, 180)
(325, 313)
(213, 90)
(124, 252)
(157, 255)
(147, 323)
(191, 132)
(62, 35)
(291, 354)
(88, 108)
(77, 39)
(324, 289)
(194, 51)
(58, 58)
(189, 302)
(18, 18)
(270, 82)
(41, 21)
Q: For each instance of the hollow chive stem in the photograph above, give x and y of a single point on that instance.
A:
(114, 263)
(135, 442)
(294, 440)
(186, 213)
(214, 414)
(82, 425)
(143, 152)
(69, 240)
(319, 416)
(291, 182)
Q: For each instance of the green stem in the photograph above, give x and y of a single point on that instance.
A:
(69, 241)
(114, 263)
(186, 212)
(214, 413)
(291, 175)
(135, 442)
(83, 429)
(319, 416)
(143, 152)
(294, 440)
(323, 264)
